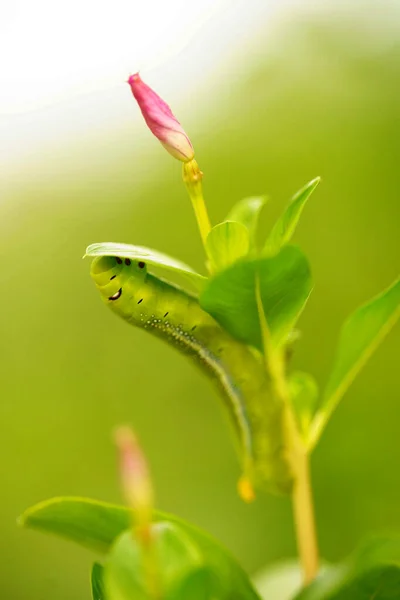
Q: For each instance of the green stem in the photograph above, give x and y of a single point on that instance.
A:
(150, 563)
(303, 511)
(303, 508)
(192, 177)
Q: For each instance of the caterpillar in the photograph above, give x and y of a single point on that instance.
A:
(174, 315)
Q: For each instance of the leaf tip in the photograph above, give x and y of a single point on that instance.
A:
(20, 520)
(27, 518)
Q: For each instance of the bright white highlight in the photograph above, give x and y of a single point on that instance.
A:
(52, 50)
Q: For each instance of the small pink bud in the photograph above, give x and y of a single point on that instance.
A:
(135, 478)
(161, 121)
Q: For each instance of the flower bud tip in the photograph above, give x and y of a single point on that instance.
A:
(160, 120)
(135, 477)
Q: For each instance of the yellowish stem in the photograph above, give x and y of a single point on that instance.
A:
(150, 563)
(303, 511)
(302, 501)
(138, 490)
(192, 177)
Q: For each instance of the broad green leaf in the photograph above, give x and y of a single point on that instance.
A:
(151, 257)
(124, 574)
(89, 523)
(97, 580)
(279, 581)
(197, 586)
(372, 573)
(360, 336)
(247, 212)
(226, 243)
(285, 284)
(96, 525)
(304, 397)
(172, 566)
(285, 226)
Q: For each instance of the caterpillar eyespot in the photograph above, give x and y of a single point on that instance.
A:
(116, 295)
(237, 370)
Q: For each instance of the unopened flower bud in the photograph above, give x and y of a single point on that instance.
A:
(161, 121)
(135, 477)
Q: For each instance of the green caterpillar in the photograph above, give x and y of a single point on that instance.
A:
(175, 315)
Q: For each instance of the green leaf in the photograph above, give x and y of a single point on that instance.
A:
(247, 212)
(96, 525)
(304, 397)
(202, 584)
(151, 257)
(226, 243)
(97, 579)
(372, 573)
(279, 581)
(285, 226)
(360, 336)
(91, 524)
(285, 284)
(172, 566)
(124, 575)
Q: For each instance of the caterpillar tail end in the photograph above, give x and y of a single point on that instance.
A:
(246, 490)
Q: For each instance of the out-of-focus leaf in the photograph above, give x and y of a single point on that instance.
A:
(280, 581)
(247, 212)
(373, 573)
(151, 257)
(285, 226)
(172, 566)
(97, 580)
(226, 243)
(304, 397)
(284, 284)
(96, 525)
(90, 523)
(360, 336)
(202, 584)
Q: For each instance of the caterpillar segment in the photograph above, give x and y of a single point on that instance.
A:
(174, 315)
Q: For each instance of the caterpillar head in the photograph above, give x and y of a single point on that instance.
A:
(111, 273)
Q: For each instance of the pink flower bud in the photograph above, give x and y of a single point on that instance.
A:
(135, 478)
(161, 121)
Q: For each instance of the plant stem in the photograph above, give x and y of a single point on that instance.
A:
(192, 177)
(302, 501)
(303, 512)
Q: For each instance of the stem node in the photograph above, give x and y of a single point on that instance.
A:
(192, 177)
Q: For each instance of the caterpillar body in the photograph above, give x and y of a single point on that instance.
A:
(173, 314)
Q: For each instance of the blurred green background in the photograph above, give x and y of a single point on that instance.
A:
(316, 95)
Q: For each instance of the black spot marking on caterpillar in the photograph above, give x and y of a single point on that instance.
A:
(141, 264)
(119, 260)
(127, 262)
(194, 327)
(116, 295)
(141, 300)
(165, 314)
(113, 277)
